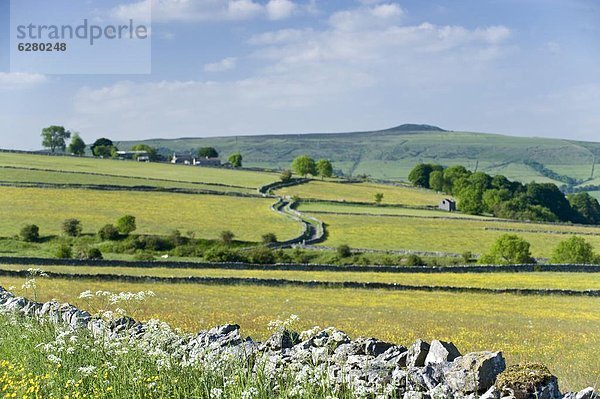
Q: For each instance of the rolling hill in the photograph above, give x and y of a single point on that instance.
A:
(391, 153)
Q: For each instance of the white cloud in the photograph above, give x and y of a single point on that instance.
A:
(367, 16)
(204, 10)
(20, 79)
(387, 10)
(336, 73)
(243, 9)
(140, 11)
(280, 9)
(225, 64)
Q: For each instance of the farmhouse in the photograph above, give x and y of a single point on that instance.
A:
(208, 162)
(140, 156)
(447, 205)
(185, 159)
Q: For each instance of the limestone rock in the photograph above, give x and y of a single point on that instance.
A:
(417, 353)
(441, 352)
(474, 372)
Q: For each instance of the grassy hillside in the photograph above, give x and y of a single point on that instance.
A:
(363, 192)
(454, 235)
(391, 153)
(156, 213)
(130, 169)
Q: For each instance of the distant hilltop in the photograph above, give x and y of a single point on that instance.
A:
(412, 127)
(391, 153)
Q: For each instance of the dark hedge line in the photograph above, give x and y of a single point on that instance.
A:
(543, 231)
(362, 203)
(308, 284)
(31, 261)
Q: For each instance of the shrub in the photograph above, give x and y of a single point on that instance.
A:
(143, 256)
(300, 256)
(508, 249)
(126, 224)
(187, 250)
(108, 233)
(261, 255)
(390, 261)
(378, 198)
(64, 251)
(30, 233)
(269, 238)
(93, 253)
(218, 254)
(467, 256)
(415, 260)
(153, 243)
(574, 250)
(72, 227)
(226, 237)
(286, 176)
(344, 251)
(177, 239)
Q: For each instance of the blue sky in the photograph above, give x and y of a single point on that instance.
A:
(229, 67)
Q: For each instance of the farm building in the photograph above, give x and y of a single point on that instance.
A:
(447, 205)
(185, 159)
(208, 162)
(140, 156)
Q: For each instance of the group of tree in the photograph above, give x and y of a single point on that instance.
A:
(512, 249)
(125, 225)
(304, 165)
(479, 193)
(55, 138)
(235, 159)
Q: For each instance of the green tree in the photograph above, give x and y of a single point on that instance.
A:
(285, 176)
(304, 165)
(207, 152)
(419, 175)
(54, 137)
(103, 147)
(226, 237)
(470, 200)
(508, 249)
(30, 233)
(454, 176)
(573, 250)
(378, 198)
(235, 160)
(493, 197)
(64, 251)
(77, 145)
(126, 224)
(344, 251)
(549, 196)
(72, 227)
(108, 233)
(324, 168)
(436, 180)
(269, 238)
(151, 151)
(586, 208)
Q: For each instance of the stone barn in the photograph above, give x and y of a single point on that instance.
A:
(448, 205)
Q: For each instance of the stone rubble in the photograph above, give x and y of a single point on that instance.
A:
(435, 370)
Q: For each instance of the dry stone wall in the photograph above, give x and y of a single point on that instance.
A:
(421, 370)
